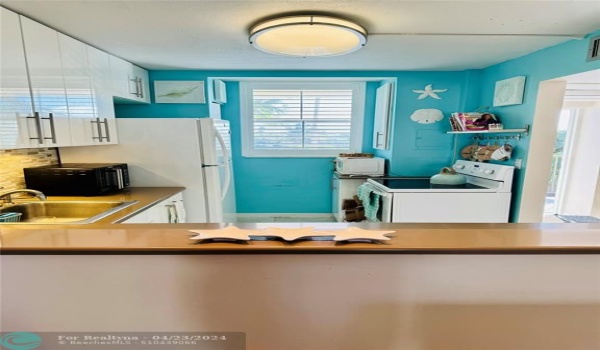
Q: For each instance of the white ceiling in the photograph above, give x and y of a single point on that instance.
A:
(205, 34)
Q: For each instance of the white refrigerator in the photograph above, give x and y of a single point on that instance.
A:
(191, 153)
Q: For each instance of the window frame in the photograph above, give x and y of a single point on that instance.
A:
(247, 118)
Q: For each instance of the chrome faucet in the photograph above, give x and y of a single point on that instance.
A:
(6, 195)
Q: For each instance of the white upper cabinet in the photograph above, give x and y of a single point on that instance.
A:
(130, 83)
(15, 98)
(78, 84)
(87, 80)
(105, 123)
(57, 91)
(141, 75)
(51, 114)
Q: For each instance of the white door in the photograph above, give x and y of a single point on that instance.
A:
(47, 83)
(15, 98)
(383, 108)
(78, 85)
(451, 207)
(140, 76)
(122, 78)
(215, 137)
(105, 122)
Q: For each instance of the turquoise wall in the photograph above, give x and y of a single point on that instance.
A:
(284, 185)
(274, 185)
(553, 62)
(423, 149)
(302, 185)
(166, 110)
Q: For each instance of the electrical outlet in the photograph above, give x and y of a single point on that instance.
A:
(518, 163)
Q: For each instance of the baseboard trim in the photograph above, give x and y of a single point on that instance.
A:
(298, 215)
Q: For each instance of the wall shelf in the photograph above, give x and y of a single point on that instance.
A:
(524, 131)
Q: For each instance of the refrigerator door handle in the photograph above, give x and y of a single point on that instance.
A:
(226, 161)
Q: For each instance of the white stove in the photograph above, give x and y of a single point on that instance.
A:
(484, 198)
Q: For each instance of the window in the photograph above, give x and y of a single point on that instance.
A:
(301, 119)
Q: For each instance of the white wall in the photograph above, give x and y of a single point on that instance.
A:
(549, 104)
(316, 302)
(596, 206)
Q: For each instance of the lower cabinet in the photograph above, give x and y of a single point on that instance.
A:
(169, 211)
(342, 189)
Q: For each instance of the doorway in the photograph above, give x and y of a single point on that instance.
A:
(572, 194)
(562, 176)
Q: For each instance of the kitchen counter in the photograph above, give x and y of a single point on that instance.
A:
(146, 197)
(431, 286)
(407, 239)
(346, 176)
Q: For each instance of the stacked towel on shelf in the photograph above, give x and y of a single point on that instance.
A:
(370, 201)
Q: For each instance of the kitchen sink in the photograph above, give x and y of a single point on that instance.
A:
(64, 212)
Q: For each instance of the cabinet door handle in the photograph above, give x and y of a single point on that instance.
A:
(141, 88)
(136, 93)
(106, 129)
(97, 122)
(377, 138)
(52, 129)
(38, 127)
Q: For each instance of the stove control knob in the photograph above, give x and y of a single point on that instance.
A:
(489, 171)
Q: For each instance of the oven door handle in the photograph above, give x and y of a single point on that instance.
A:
(378, 191)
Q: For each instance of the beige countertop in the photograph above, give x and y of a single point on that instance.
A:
(146, 197)
(406, 238)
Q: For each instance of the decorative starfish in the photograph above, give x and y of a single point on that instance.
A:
(429, 91)
(230, 232)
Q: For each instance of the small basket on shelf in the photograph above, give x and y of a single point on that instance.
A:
(10, 217)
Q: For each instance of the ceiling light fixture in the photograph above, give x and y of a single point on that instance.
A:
(308, 36)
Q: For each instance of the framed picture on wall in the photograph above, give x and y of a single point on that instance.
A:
(179, 91)
(509, 91)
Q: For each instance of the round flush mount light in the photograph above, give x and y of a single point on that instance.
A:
(308, 36)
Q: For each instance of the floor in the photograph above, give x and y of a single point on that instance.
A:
(550, 218)
(285, 218)
(550, 205)
(549, 210)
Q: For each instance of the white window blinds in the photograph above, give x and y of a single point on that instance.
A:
(302, 120)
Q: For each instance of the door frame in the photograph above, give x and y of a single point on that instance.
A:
(548, 106)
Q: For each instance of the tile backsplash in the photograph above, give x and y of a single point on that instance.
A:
(13, 161)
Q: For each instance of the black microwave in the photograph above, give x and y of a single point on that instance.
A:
(77, 179)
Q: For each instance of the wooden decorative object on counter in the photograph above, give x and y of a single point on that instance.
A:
(355, 233)
(230, 232)
(291, 234)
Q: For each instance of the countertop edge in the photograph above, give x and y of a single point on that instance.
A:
(305, 251)
(173, 239)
